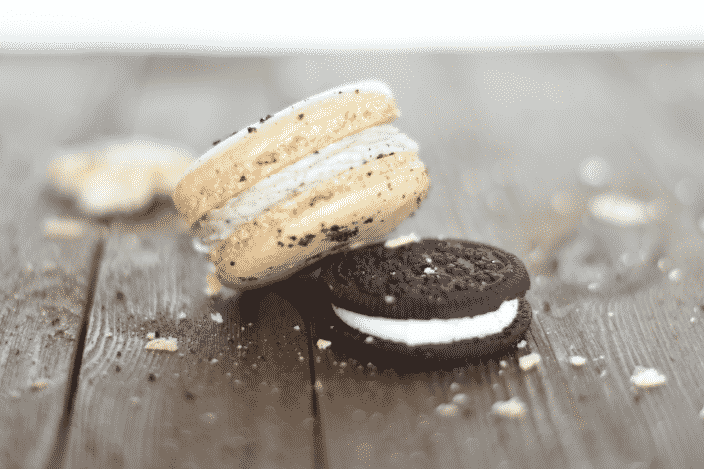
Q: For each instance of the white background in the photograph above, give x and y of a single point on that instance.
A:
(219, 26)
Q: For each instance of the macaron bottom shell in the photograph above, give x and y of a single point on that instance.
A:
(328, 219)
(350, 343)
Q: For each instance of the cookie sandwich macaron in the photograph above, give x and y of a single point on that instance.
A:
(320, 176)
(426, 299)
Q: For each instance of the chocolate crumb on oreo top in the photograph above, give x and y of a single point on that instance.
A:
(430, 279)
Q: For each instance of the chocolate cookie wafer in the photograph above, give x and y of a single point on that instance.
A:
(430, 299)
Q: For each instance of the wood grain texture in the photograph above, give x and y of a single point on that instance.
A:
(212, 404)
(43, 286)
(209, 404)
(576, 417)
(585, 416)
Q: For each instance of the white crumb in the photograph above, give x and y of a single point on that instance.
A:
(323, 344)
(401, 240)
(513, 408)
(529, 361)
(167, 345)
(576, 360)
(647, 378)
(447, 410)
(217, 317)
(198, 246)
(64, 228)
(522, 344)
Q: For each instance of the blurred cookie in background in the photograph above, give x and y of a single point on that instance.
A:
(118, 177)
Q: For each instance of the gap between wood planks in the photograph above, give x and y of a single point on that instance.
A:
(56, 459)
(300, 283)
(59, 449)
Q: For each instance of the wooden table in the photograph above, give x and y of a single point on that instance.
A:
(236, 392)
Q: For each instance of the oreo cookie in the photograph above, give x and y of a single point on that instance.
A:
(429, 300)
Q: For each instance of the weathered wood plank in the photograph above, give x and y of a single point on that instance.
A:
(575, 417)
(43, 286)
(258, 416)
(210, 404)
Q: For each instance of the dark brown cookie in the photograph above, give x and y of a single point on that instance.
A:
(433, 299)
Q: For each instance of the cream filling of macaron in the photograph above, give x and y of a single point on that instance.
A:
(414, 332)
(352, 151)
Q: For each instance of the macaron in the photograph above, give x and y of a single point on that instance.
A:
(426, 299)
(320, 176)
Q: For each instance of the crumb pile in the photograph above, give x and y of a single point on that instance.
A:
(121, 177)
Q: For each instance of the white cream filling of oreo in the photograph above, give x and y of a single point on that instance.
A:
(414, 332)
(351, 151)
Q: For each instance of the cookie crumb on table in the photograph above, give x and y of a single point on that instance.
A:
(447, 410)
(577, 360)
(167, 345)
(527, 362)
(40, 385)
(63, 228)
(513, 408)
(120, 177)
(217, 317)
(323, 344)
(643, 378)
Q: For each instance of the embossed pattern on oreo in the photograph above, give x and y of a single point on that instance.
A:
(431, 279)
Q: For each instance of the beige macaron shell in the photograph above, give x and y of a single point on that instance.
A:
(365, 207)
(242, 160)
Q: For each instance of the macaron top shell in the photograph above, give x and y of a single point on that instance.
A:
(424, 280)
(265, 148)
